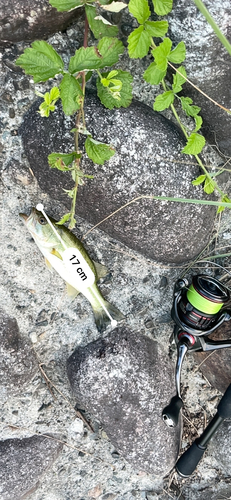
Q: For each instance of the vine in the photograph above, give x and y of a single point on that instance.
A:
(114, 86)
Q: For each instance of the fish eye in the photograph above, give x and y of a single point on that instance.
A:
(42, 221)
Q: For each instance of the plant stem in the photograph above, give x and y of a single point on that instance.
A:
(200, 5)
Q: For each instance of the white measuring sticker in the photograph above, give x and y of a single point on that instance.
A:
(78, 268)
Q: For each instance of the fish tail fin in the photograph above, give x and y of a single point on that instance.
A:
(102, 319)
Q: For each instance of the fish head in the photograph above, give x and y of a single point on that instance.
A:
(37, 225)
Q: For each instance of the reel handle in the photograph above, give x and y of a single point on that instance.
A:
(188, 462)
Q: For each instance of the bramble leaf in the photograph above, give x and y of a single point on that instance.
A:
(140, 10)
(67, 158)
(114, 6)
(186, 103)
(162, 7)
(85, 59)
(199, 121)
(48, 104)
(109, 50)
(179, 80)
(209, 185)
(138, 43)
(156, 28)
(97, 151)
(70, 93)
(224, 199)
(161, 54)
(199, 180)
(41, 61)
(178, 54)
(153, 74)
(97, 26)
(194, 144)
(62, 5)
(64, 219)
(163, 101)
(108, 98)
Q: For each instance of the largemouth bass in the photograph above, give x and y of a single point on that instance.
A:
(53, 251)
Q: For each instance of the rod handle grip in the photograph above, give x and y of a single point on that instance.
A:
(187, 463)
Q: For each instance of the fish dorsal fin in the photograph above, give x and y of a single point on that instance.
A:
(71, 291)
(48, 264)
(101, 270)
(56, 253)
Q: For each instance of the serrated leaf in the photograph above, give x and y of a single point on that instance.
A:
(138, 43)
(179, 80)
(194, 144)
(85, 59)
(97, 151)
(41, 61)
(140, 10)
(190, 110)
(66, 5)
(64, 219)
(156, 28)
(153, 74)
(178, 54)
(162, 7)
(67, 158)
(114, 6)
(161, 54)
(209, 185)
(110, 50)
(199, 121)
(54, 94)
(70, 93)
(163, 101)
(199, 180)
(106, 96)
(97, 26)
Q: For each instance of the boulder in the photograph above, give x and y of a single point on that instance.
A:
(22, 463)
(22, 20)
(148, 161)
(125, 380)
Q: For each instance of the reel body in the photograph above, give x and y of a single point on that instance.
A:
(197, 312)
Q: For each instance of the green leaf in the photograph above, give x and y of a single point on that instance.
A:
(209, 185)
(179, 80)
(199, 180)
(98, 27)
(138, 43)
(140, 10)
(41, 61)
(108, 99)
(97, 151)
(161, 54)
(156, 28)
(153, 74)
(62, 5)
(71, 94)
(162, 7)
(199, 121)
(178, 54)
(109, 50)
(64, 219)
(194, 144)
(186, 106)
(67, 158)
(163, 101)
(54, 94)
(85, 59)
(224, 199)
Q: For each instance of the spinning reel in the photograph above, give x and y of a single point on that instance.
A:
(197, 312)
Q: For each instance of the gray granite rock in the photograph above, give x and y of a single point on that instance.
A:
(148, 161)
(208, 65)
(22, 20)
(125, 380)
(18, 363)
(22, 463)
(220, 445)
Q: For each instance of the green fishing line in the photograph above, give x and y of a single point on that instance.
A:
(201, 303)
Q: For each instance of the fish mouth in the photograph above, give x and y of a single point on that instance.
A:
(25, 217)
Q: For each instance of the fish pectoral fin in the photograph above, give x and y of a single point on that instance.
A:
(71, 291)
(48, 264)
(101, 270)
(56, 253)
